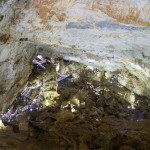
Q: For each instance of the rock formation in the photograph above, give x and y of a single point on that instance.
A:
(108, 41)
(107, 34)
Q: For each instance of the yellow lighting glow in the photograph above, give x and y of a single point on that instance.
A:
(47, 102)
(2, 125)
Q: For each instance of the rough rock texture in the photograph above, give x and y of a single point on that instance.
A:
(108, 34)
(15, 68)
(50, 84)
(88, 113)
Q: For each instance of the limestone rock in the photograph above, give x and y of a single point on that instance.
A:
(64, 116)
(49, 84)
(112, 36)
(23, 123)
(64, 104)
(65, 93)
(74, 100)
(15, 64)
(43, 116)
(23, 126)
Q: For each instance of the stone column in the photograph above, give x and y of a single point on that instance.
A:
(49, 91)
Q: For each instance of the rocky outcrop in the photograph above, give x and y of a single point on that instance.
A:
(16, 66)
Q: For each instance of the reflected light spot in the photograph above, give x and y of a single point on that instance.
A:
(2, 125)
(129, 107)
(47, 103)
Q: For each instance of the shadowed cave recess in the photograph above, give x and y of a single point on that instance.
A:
(74, 75)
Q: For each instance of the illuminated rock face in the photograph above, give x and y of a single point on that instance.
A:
(106, 34)
(49, 85)
(15, 64)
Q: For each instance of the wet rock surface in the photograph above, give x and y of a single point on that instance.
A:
(90, 112)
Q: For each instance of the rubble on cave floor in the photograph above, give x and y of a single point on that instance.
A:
(71, 106)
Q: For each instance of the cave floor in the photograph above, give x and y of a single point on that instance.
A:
(108, 133)
(84, 113)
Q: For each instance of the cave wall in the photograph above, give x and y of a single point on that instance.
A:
(107, 34)
(16, 66)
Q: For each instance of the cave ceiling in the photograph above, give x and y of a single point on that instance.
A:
(107, 34)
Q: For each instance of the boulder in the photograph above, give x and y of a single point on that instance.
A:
(74, 100)
(64, 116)
(22, 123)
